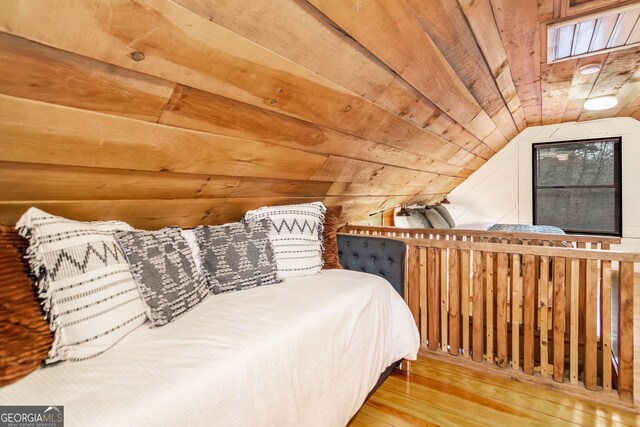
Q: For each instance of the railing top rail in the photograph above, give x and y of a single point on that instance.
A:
(487, 233)
(551, 251)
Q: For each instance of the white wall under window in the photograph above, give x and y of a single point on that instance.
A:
(501, 190)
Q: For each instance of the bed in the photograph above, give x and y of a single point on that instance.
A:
(303, 352)
(415, 219)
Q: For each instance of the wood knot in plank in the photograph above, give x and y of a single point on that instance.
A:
(137, 56)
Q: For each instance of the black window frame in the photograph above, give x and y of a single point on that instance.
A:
(617, 182)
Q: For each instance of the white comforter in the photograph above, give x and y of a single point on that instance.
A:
(302, 353)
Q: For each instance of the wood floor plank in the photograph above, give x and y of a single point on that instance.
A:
(434, 413)
(479, 408)
(381, 413)
(446, 394)
(362, 419)
(541, 401)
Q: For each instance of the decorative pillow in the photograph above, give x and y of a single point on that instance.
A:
(444, 213)
(418, 219)
(90, 297)
(164, 270)
(330, 255)
(435, 219)
(25, 337)
(296, 236)
(237, 256)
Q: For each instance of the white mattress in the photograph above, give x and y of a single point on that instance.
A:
(304, 352)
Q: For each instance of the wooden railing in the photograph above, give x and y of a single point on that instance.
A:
(538, 309)
(571, 240)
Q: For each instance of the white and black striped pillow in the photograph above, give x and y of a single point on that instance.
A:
(296, 236)
(90, 297)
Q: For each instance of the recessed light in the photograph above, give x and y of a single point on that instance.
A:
(601, 103)
(590, 69)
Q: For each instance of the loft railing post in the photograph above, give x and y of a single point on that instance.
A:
(529, 281)
(544, 316)
(454, 302)
(465, 276)
(558, 318)
(478, 306)
(423, 296)
(625, 332)
(488, 283)
(501, 310)
(433, 298)
(591, 326)
(413, 278)
(605, 307)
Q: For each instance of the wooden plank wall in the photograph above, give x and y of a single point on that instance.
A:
(187, 112)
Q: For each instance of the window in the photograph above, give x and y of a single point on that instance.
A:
(577, 186)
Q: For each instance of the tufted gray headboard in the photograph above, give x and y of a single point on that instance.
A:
(375, 255)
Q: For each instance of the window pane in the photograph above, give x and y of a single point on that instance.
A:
(584, 209)
(575, 164)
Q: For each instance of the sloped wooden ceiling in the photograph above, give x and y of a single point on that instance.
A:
(191, 111)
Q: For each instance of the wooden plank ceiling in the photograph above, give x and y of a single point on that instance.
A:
(187, 112)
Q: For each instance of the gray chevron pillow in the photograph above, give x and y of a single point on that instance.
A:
(237, 256)
(164, 270)
(89, 296)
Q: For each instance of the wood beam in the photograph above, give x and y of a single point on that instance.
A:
(520, 34)
(180, 46)
(331, 53)
(447, 26)
(482, 21)
(391, 31)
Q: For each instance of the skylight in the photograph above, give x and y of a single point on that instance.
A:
(594, 34)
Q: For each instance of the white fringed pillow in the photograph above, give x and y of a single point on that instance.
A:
(296, 237)
(90, 298)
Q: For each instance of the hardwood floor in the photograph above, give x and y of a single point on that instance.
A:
(430, 391)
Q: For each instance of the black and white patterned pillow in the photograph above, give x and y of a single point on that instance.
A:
(296, 236)
(89, 296)
(163, 268)
(237, 256)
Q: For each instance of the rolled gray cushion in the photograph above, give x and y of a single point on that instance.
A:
(417, 219)
(436, 219)
(237, 256)
(163, 268)
(444, 213)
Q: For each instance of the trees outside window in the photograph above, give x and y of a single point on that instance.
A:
(577, 186)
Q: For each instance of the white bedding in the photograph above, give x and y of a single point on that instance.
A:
(303, 352)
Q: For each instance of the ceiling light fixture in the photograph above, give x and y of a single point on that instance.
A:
(601, 103)
(562, 156)
(590, 69)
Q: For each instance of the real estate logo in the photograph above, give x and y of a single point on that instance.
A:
(31, 416)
